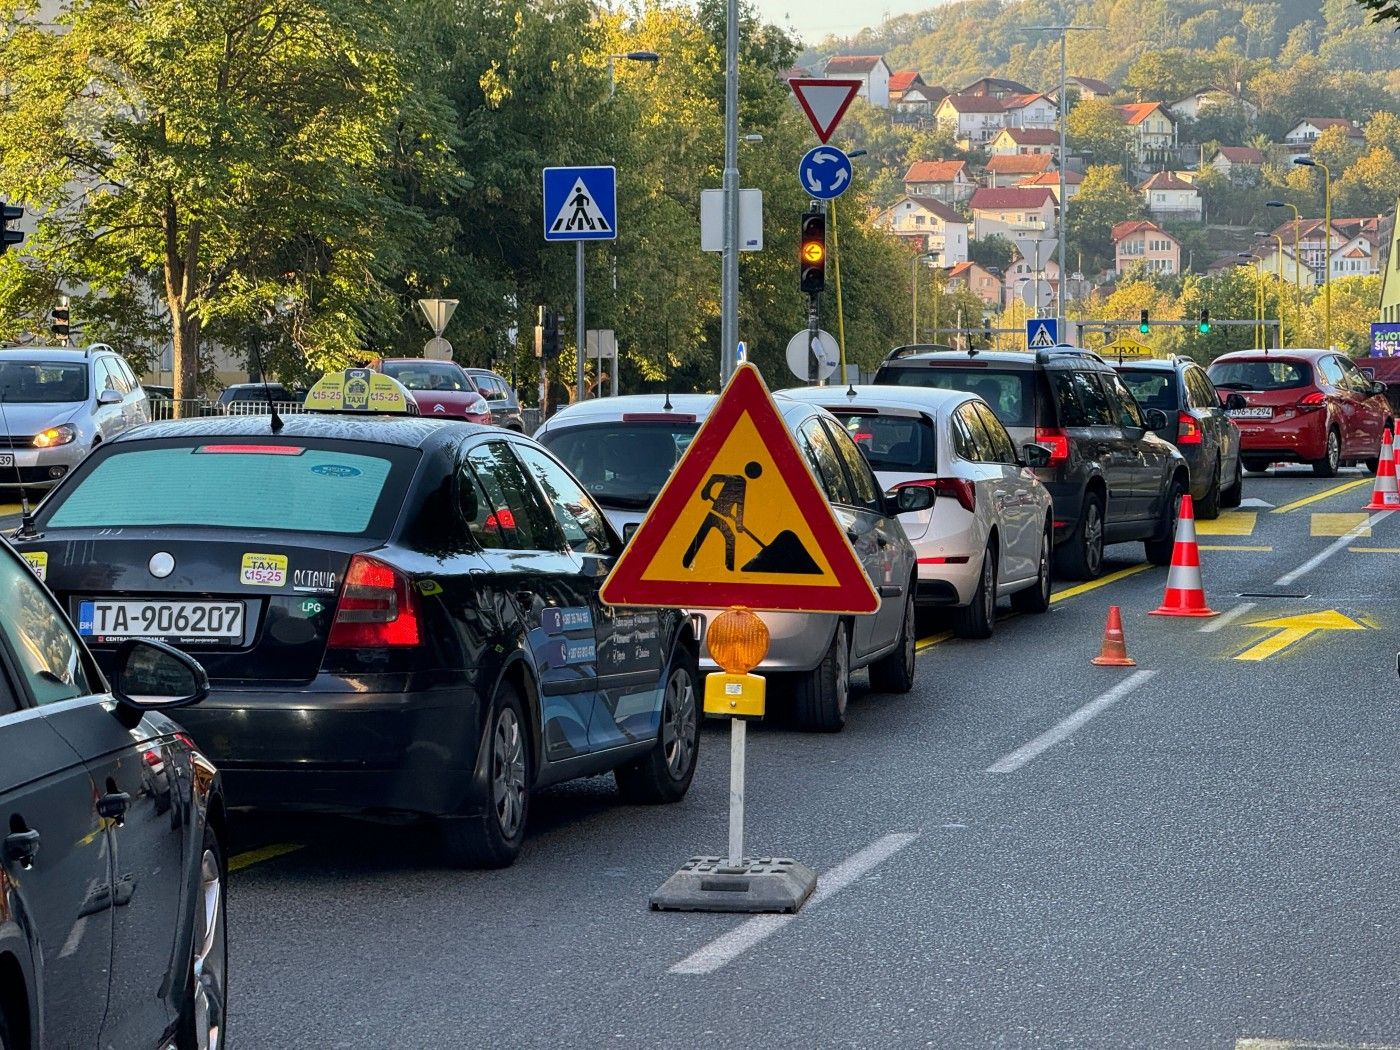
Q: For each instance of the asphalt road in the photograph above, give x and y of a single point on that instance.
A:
(1026, 851)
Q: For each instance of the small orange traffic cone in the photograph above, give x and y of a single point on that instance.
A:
(1185, 596)
(1115, 650)
(1385, 496)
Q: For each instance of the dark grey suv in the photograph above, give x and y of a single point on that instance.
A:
(1112, 479)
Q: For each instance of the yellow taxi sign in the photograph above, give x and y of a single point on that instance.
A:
(360, 390)
(1126, 348)
(741, 521)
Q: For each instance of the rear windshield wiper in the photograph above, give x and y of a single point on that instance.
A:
(1233, 386)
(627, 502)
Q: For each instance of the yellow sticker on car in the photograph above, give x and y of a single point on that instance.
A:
(39, 562)
(264, 570)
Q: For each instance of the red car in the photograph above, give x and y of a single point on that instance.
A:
(1303, 406)
(441, 389)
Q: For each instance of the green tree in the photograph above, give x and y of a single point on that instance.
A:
(1103, 200)
(995, 250)
(1095, 127)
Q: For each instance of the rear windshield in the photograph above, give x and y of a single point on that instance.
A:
(901, 443)
(289, 486)
(1260, 375)
(42, 382)
(1152, 388)
(623, 465)
(1010, 392)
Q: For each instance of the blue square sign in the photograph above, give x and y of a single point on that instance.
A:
(580, 204)
(1042, 333)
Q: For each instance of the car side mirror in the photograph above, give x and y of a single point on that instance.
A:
(1156, 419)
(1036, 455)
(109, 397)
(1234, 402)
(154, 676)
(1378, 387)
(629, 530)
(907, 499)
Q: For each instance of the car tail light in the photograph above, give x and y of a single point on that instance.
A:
(253, 450)
(957, 488)
(1188, 431)
(1314, 400)
(378, 609)
(1056, 440)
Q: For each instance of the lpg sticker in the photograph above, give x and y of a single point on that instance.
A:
(311, 607)
(39, 562)
(314, 580)
(264, 570)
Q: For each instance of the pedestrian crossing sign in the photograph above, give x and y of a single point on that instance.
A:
(742, 521)
(1042, 333)
(580, 204)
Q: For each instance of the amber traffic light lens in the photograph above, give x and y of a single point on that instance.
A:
(737, 640)
(813, 252)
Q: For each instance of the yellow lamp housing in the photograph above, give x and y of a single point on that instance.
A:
(735, 695)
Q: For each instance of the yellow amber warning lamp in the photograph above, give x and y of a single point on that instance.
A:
(813, 252)
(738, 642)
(362, 391)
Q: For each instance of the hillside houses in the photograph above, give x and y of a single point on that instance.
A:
(973, 120)
(1010, 170)
(1004, 212)
(948, 181)
(1154, 132)
(1238, 163)
(1024, 140)
(870, 70)
(1169, 197)
(1144, 243)
(1088, 87)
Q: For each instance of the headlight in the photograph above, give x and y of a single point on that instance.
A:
(60, 435)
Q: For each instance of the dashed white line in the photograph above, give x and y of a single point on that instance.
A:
(1069, 726)
(1226, 618)
(728, 947)
(1332, 548)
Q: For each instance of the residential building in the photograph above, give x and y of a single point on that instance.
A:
(1390, 271)
(901, 80)
(870, 70)
(1206, 100)
(929, 226)
(1238, 163)
(1270, 261)
(1306, 131)
(1140, 241)
(1011, 210)
(919, 101)
(1009, 141)
(1010, 170)
(1031, 111)
(1051, 181)
(981, 281)
(996, 87)
(943, 180)
(1169, 197)
(1022, 272)
(973, 120)
(1154, 132)
(1088, 87)
(1353, 247)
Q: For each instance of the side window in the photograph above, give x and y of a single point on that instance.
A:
(490, 388)
(963, 445)
(479, 512)
(862, 479)
(512, 505)
(578, 516)
(1331, 370)
(1002, 444)
(826, 464)
(125, 369)
(986, 452)
(1082, 401)
(45, 651)
(1200, 391)
(1354, 379)
(1129, 411)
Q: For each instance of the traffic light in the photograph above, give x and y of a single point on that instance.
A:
(1204, 326)
(59, 327)
(987, 332)
(812, 253)
(1144, 323)
(547, 334)
(10, 214)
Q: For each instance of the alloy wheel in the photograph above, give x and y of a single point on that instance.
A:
(678, 723)
(843, 669)
(508, 772)
(1334, 450)
(1093, 539)
(210, 956)
(989, 585)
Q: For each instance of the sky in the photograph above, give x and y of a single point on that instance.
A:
(815, 19)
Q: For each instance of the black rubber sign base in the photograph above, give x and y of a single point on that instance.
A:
(763, 884)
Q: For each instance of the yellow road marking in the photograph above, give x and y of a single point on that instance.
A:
(1345, 486)
(257, 856)
(1230, 523)
(931, 641)
(1292, 629)
(1348, 522)
(1229, 547)
(9, 508)
(1374, 550)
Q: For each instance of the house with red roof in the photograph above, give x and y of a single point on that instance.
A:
(1307, 130)
(870, 70)
(1025, 140)
(929, 226)
(1051, 181)
(942, 180)
(1010, 170)
(1142, 242)
(979, 280)
(1154, 131)
(901, 80)
(1169, 197)
(1088, 87)
(1238, 163)
(973, 120)
(1013, 209)
(1033, 110)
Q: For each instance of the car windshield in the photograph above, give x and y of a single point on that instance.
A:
(286, 486)
(425, 375)
(622, 464)
(1260, 374)
(1009, 391)
(892, 442)
(1152, 388)
(43, 382)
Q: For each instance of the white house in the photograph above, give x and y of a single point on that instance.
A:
(1207, 100)
(1307, 130)
(1169, 197)
(1238, 163)
(930, 226)
(1009, 141)
(1154, 131)
(1011, 210)
(1031, 111)
(920, 100)
(973, 119)
(1088, 87)
(1293, 271)
(870, 70)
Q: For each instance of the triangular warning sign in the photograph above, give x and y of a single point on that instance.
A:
(1042, 339)
(742, 522)
(580, 213)
(824, 101)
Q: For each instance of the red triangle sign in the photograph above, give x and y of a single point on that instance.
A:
(824, 101)
(741, 521)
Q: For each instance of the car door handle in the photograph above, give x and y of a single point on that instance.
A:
(113, 805)
(21, 847)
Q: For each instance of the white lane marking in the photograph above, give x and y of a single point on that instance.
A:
(728, 947)
(1071, 725)
(1229, 616)
(1332, 548)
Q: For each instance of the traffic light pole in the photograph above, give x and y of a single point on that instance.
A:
(580, 333)
(729, 277)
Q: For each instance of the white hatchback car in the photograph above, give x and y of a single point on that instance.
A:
(989, 532)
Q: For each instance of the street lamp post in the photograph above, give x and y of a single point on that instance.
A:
(630, 56)
(1278, 272)
(914, 281)
(729, 264)
(1252, 261)
(1308, 162)
(1297, 251)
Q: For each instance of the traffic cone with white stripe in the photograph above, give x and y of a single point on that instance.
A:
(1385, 496)
(1114, 652)
(1185, 595)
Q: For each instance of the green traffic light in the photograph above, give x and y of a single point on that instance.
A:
(1203, 327)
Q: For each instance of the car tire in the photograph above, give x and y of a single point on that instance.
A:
(894, 673)
(1159, 550)
(1037, 599)
(493, 839)
(977, 619)
(664, 775)
(1081, 556)
(1256, 466)
(1231, 497)
(1327, 466)
(1209, 507)
(820, 698)
(203, 1017)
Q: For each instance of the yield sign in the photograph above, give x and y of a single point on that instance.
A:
(824, 101)
(742, 522)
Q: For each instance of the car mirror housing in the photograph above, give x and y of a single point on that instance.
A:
(109, 397)
(1378, 387)
(1156, 419)
(154, 676)
(629, 530)
(908, 499)
(1036, 455)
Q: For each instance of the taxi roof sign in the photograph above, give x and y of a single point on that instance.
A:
(741, 521)
(1125, 348)
(360, 391)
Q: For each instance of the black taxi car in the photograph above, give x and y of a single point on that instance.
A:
(398, 615)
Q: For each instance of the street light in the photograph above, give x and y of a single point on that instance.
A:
(1297, 251)
(630, 56)
(1308, 162)
(1252, 261)
(914, 280)
(1278, 272)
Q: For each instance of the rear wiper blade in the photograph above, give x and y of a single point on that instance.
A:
(629, 502)
(1233, 386)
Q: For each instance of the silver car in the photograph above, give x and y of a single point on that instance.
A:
(624, 448)
(57, 405)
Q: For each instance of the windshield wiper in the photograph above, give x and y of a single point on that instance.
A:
(628, 502)
(1233, 386)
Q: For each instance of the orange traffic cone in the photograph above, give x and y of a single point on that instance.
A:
(1385, 496)
(1115, 650)
(1185, 596)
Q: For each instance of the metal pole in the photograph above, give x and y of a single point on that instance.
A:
(1297, 260)
(914, 283)
(836, 269)
(729, 283)
(1063, 202)
(737, 738)
(1327, 250)
(1282, 287)
(579, 333)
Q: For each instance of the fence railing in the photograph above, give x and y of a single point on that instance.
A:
(165, 408)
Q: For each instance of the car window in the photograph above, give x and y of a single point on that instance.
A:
(963, 445)
(513, 506)
(1083, 403)
(1331, 370)
(9, 703)
(1353, 377)
(623, 464)
(578, 516)
(131, 381)
(429, 375)
(480, 513)
(1002, 445)
(1258, 374)
(1129, 412)
(1010, 392)
(892, 442)
(1199, 389)
(826, 464)
(46, 653)
(111, 376)
(984, 450)
(863, 486)
(1153, 388)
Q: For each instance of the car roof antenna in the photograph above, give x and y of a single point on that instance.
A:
(267, 389)
(26, 520)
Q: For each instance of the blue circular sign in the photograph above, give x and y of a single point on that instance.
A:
(825, 172)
